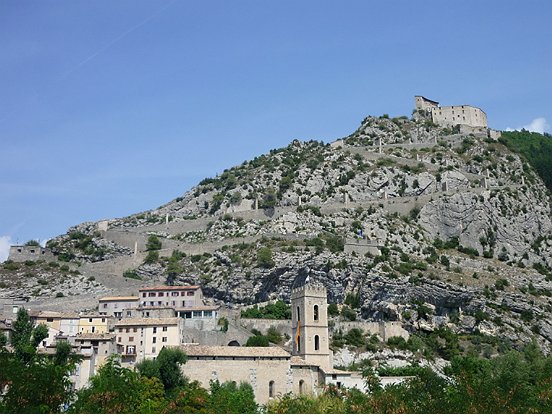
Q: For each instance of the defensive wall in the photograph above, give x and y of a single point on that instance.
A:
(24, 253)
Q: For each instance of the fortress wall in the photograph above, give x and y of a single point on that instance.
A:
(384, 329)
(282, 325)
(24, 253)
(460, 114)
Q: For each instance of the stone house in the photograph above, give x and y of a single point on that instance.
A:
(143, 338)
(94, 323)
(173, 296)
(117, 306)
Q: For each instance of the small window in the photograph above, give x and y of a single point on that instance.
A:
(49, 319)
(130, 339)
(155, 329)
(154, 340)
(164, 329)
(103, 319)
(315, 312)
(161, 294)
(174, 294)
(190, 294)
(120, 339)
(135, 330)
(153, 350)
(127, 330)
(164, 339)
(316, 343)
(301, 387)
(271, 389)
(105, 305)
(90, 320)
(144, 295)
(120, 329)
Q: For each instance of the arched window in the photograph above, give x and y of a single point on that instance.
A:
(271, 389)
(315, 312)
(301, 386)
(298, 317)
(316, 343)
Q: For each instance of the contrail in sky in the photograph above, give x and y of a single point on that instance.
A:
(96, 53)
(117, 39)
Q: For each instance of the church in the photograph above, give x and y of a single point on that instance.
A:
(272, 371)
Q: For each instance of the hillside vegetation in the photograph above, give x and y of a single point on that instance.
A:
(535, 147)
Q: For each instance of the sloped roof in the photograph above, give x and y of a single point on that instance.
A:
(235, 351)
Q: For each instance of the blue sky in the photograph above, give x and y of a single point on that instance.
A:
(110, 107)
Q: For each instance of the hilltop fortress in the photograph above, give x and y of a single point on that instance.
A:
(452, 115)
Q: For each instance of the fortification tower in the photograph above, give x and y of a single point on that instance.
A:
(310, 324)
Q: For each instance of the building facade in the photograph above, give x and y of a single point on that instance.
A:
(117, 306)
(452, 115)
(173, 296)
(143, 338)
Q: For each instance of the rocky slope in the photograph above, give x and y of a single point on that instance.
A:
(420, 224)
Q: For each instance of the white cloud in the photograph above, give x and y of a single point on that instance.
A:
(5, 243)
(539, 125)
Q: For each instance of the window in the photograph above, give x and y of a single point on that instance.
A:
(93, 329)
(164, 329)
(151, 294)
(174, 293)
(164, 339)
(155, 329)
(130, 339)
(90, 320)
(131, 349)
(120, 339)
(49, 319)
(298, 317)
(301, 386)
(105, 305)
(161, 294)
(153, 350)
(127, 330)
(135, 330)
(154, 340)
(315, 312)
(271, 389)
(120, 329)
(103, 319)
(144, 294)
(316, 343)
(190, 294)
(207, 314)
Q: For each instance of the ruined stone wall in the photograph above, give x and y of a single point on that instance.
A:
(24, 253)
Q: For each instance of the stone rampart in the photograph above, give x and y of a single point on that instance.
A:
(33, 253)
(385, 330)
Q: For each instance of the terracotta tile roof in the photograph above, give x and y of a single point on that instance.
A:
(147, 321)
(235, 351)
(295, 360)
(194, 287)
(94, 336)
(118, 298)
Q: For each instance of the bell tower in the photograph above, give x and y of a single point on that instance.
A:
(310, 324)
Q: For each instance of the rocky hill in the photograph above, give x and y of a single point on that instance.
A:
(404, 220)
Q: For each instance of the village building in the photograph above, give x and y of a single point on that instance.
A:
(174, 296)
(117, 306)
(143, 338)
(94, 324)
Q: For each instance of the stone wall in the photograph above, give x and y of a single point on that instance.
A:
(461, 114)
(24, 253)
(385, 330)
(282, 325)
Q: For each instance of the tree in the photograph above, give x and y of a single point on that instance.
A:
(229, 398)
(36, 382)
(264, 258)
(153, 243)
(118, 390)
(166, 367)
